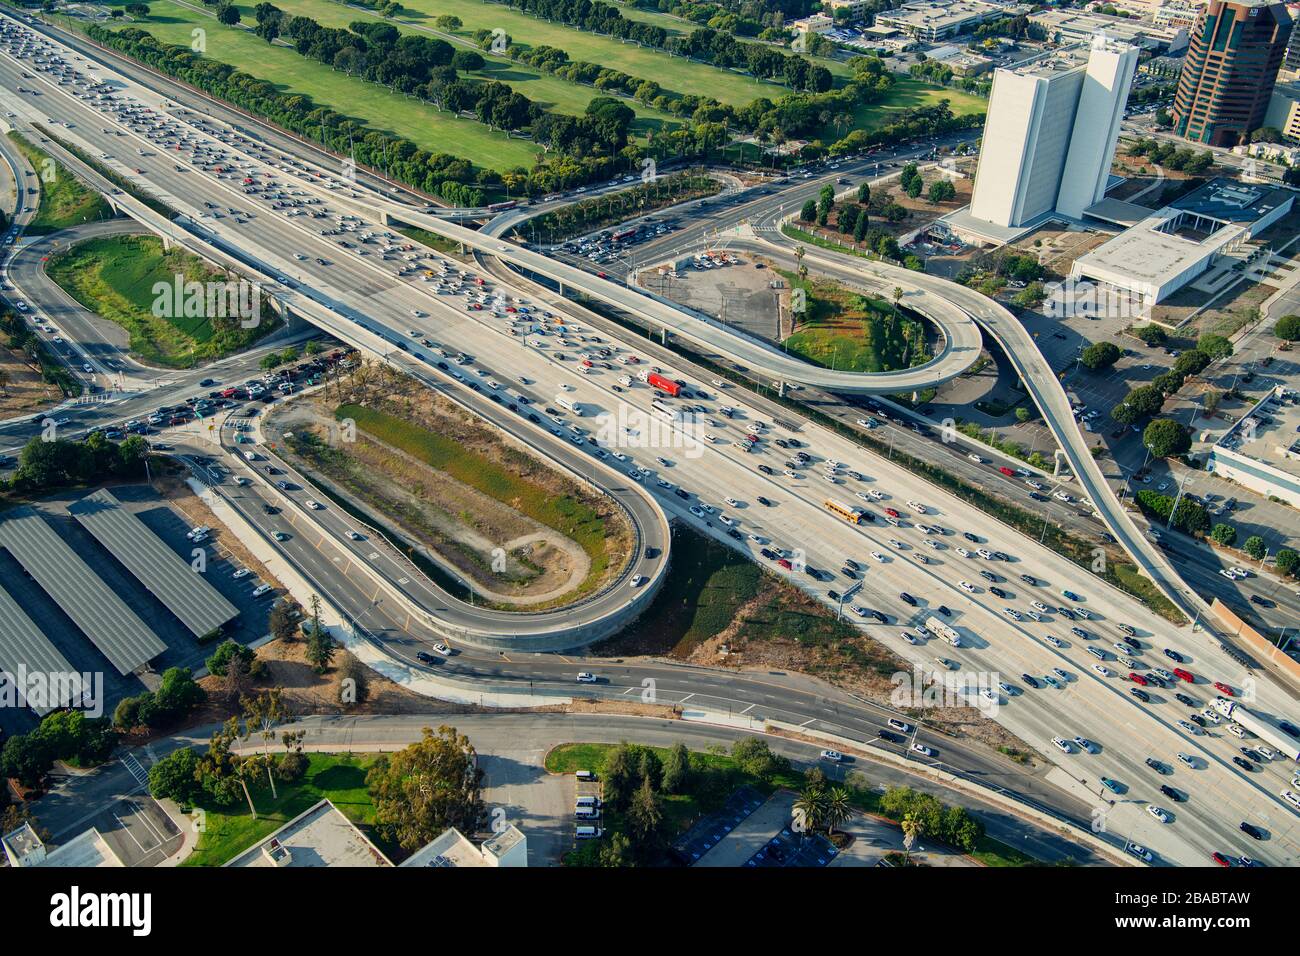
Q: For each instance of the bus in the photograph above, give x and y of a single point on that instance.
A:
(565, 402)
(661, 407)
(851, 515)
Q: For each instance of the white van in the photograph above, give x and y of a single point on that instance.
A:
(1291, 797)
(587, 813)
(589, 833)
(261, 590)
(588, 801)
(250, 455)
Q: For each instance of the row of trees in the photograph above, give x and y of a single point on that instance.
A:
(19, 337)
(853, 218)
(1147, 400)
(1173, 157)
(49, 462)
(63, 735)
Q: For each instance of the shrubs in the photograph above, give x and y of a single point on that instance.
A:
(1100, 356)
(176, 698)
(951, 825)
(1166, 438)
(1287, 328)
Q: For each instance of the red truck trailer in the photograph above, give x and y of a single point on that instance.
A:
(663, 384)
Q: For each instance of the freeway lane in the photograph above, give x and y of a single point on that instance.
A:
(1035, 717)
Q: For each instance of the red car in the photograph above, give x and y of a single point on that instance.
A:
(891, 512)
(1220, 686)
(1007, 471)
(1185, 675)
(785, 563)
(1220, 859)
(1138, 679)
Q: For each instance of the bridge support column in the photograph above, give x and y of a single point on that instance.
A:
(166, 241)
(780, 389)
(1058, 460)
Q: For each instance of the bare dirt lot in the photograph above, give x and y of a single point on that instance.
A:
(22, 392)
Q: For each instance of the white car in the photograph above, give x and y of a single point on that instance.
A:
(727, 520)
(863, 495)
(975, 458)
(638, 580)
(1190, 727)
(1236, 731)
(241, 573)
(356, 536)
(586, 677)
(876, 555)
(1101, 669)
(442, 649)
(966, 586)
(1139, 851)
(1062, 745)
(313, 504)
(1062, 496)
(877, 495)
(1158, 812)
(963, 552)
(931, 543)
(732, 501)
(1054, 641)
(923, 750)
(834, 755)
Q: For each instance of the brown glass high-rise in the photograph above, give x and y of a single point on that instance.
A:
(1233, 56)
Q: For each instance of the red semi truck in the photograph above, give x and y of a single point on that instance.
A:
(656, 380)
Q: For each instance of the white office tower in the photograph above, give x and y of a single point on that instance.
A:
(1050, 134)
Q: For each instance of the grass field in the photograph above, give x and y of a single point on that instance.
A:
(571, 517)
(231, 830)
(844, 330)
(674, 74)
(64, 200)
(114, 277)
(365, 102)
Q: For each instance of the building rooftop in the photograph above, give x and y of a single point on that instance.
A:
(87, 850)
(320, 836)
(1276, 441)
(1227, 200)
(1076, 23)
(450, 849)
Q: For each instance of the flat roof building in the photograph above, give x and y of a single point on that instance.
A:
(1176, 244)
(88, 849)
(1262, 450)
(1075, 26)
(509, 848)
(938, 20)
(319, 836)
(1050, 134)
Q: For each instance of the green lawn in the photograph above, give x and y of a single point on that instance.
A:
(114, 277)
(675, 74)
(64, 199)
(552, 92)
(365, 102)
(844, 330)
(907, 93)
(231, 830)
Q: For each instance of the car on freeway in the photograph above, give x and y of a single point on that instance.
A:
(1140, 694)
(1171, 793)
(1114, 786)
(1160, 813)
(586, 677)
(1252, 831)
(923, 750)
(1224, 689)
(832, 755)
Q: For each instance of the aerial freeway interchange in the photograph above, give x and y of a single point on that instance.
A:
(362, 299)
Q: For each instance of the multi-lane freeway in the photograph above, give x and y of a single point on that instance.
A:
(363, 298)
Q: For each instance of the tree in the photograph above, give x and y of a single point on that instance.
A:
(913, 829)
(1100, 355)
(838, 808)
(864, 193)
(1151, 334)
(320, 645)
(139, 11)
(1286, 561)
(175, 777)
(1191, 362)
(941, 190)
(914, 187)
(809, 211)
(1215, 346)
(1166, 438)
(1224, 534)
(228, 652)
(810, 808)
(1255, 547)
(27, 758)
(354, 682)
(1288, 328)
(754, 756)
(282, 623)
(448, 23)
(467, 61)
(645, 816)
(228, 14)
(677, 770)
(427, 787)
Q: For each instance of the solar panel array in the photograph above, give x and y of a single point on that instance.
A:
(27, 655)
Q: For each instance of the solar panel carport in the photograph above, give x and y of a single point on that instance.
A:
(198, 605)
(99, 613)
(25, 652)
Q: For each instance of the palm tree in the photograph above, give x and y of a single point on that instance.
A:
(913, 828)
(838, 808)
(898, 294)
(811, 808)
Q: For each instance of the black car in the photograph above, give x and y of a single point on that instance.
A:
(765, 469)
(651, 553)
(1184, 700)
(681, 493)
(1197, 719)
(1140, 694)
(1171, 793)
(1252, 831)
(1262, 602)
(270, 509)
(833, 595)
(971, 537)
(1156, 765)
(733, 533)
(764, 502)
(989, 576)
(1173, 655)
(1029, 579)
(1079, 633)
(1250, 754)
(892, 737)
(1243, 763)
(997, 591)
(1289, 727)
(769, 554)
(943, 609)
(881, 617)
(907, 598)
(425, 656)
(1029, 679)
(1037, 497)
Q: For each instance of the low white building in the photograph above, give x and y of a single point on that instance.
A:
(1262, 451)
(1171, 247)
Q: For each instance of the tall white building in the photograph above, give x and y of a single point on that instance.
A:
(1050, 134)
